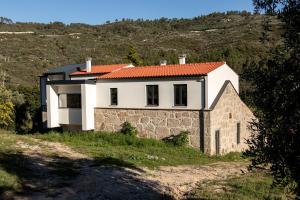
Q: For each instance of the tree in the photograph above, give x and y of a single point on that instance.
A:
(27, 114)
(276, 137)
(8, 99)
(4, 20)
(134, 57)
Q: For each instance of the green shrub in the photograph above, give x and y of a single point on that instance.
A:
(128, 129)
(182, 139)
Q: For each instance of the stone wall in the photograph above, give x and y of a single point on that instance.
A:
(227, 112)
(156, 124)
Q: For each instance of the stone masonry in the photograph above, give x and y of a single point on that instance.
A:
(156, 124)
(224, 116)
(227, 110)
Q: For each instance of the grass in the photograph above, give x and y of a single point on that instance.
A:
(8, 181)
(256, 185)
(114, 148)
(122, 150)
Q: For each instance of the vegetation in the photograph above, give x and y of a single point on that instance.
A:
(8, 181)
(133, 57)
(276, 93)
(134, 151)
(182, 139)
(255, 185)
(232, 36)
(128, 129)
(8, 100)
(27, 114)
(20, 109)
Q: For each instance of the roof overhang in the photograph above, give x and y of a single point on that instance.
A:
(70, 82)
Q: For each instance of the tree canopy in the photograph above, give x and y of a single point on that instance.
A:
(276, 95)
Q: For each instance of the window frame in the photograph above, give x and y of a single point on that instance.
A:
(67, 105)
(238, 133)
(153, 95)
(181, 95)
(111, 97)
(218, 141)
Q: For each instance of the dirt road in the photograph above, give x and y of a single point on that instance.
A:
(55, 171)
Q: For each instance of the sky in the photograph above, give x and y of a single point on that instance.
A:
(100, 11)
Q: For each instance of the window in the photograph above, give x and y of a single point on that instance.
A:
(238, 133)
(180, 95)
(114, 96)
(152, 95)
(69, 100)
(218, 144)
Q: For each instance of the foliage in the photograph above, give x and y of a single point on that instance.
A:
(128, 129)
(133, 150)
(4, 20)
(276, 93)
(27, 114)
(134, 57)
(233, 37)
(6, 114)
(182, 139)
(8, 99)
(255, 185)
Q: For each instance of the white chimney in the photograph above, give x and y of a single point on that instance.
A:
(88, 64)
(163, 62)
(182, 59)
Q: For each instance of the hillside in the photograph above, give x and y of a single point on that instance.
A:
(28, 49)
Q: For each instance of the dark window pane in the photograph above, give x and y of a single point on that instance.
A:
(73, 100)
(238, 133)
(152, 95)
(180, 95)
(113, 96)
(218, 144)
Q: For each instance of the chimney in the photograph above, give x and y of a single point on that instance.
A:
(163, 62)
(182, 59)
(88, 64)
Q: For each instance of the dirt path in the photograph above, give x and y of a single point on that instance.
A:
(72, 175)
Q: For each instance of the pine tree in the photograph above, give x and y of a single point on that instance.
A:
(134, 57)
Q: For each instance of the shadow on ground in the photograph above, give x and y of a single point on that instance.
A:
(62, 178)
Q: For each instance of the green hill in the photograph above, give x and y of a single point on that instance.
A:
(234, 37)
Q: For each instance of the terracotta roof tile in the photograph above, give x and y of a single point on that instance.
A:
(163, 71)
(100, 69)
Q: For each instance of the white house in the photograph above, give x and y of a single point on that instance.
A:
(201, 98)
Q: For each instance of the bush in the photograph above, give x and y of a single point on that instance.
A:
(182, 139)
(128, 129)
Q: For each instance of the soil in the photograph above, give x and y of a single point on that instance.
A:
(62, 173)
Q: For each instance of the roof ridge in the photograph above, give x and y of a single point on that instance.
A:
(170, 65)
(165, 70)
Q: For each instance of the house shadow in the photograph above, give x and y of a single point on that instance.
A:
(63, 178)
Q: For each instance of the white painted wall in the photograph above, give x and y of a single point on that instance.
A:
(69, 89)
(52, 107)
(217, 78)
(88, 102)
(56, 115)
(70, 116)
(132, 93)
(90, 77)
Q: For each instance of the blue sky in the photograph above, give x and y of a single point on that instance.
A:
(99, 11)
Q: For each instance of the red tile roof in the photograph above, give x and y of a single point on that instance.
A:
(100, 69)
(163, 71)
